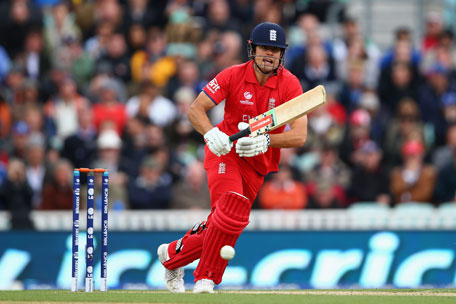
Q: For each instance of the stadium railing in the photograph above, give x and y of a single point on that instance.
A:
(360, 216)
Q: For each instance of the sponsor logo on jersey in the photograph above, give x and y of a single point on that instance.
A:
(247, 96)
(247, 102)
(271, 104)
(213, 86)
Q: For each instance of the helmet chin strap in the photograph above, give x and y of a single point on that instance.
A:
(251, 52)
(274, 70)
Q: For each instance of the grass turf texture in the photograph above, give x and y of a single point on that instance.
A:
(364, 296)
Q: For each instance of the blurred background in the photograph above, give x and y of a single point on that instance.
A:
(368, 201)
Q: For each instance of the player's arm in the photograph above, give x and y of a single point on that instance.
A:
(197, 114)
(217, 141)
(294, 137)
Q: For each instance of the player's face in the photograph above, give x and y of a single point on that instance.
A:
(267, 57)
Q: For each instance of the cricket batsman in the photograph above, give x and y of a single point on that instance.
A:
(235, 175)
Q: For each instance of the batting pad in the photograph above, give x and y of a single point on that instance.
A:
(229, 219)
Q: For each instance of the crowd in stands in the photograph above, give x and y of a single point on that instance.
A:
(107, 83)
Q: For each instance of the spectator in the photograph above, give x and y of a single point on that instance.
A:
(104, 77)
(11, 91)
(357, 133)
(181, 134)
(77, 61)
(403, 41)
(152, 188)
(141, 12)
(5, 118)
(316, 67)
(445, 187)
(449, 108)
(17, 17)
(62, 111)
(59, 26)
(80, 147)
(444, 155)
(158, 146)
(432, 31)
(16, 195)
(19, 137)
(116, 56)
(326, 124)
(370, 102)
(36, 169)
(153, 63)
(191, 192)
(370, 181)
(134, 145)
(152, 105)
(413, 181)
(33, 57)
(58, 194)
(27, 99)
(33, 116)
(109, 157)
(398, 81)
(136, 38)
(306, 25)
(109, 107)
(331, 169)
(431, 99)
(110, 11)
(205, 56)
(354, 86)
(282, 192)
(324, 195)
(405, 123)
(218, 18)
(443, 53)
(97, 45)
(227, 51)
(187, 76)
(5, 63)
(352, 46)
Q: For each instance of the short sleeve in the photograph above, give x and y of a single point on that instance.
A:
(294, 87)
(218, 88)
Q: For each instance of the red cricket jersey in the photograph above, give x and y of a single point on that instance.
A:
(245, 98)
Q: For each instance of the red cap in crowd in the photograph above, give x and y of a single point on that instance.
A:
(360, 117)
(412, 147)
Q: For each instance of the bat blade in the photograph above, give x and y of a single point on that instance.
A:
(285, 113)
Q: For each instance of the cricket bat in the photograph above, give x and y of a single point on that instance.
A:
(284, 113)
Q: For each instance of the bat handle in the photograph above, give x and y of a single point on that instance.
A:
(240, 134)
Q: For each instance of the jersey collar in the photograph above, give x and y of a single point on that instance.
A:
(270, 83)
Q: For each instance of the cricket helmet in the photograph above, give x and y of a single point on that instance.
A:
(268, 34)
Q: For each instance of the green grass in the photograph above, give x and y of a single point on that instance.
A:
(395, 296)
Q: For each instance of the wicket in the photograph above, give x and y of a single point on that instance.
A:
(89, 252)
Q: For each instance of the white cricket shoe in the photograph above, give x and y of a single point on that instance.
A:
(174, 279)
(204, 286)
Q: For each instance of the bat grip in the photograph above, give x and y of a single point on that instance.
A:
(240, 134)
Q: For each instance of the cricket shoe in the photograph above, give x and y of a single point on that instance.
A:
(174, 279)
(204, 286)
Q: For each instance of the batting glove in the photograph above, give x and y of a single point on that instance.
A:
(218, 142)
(252, 146)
